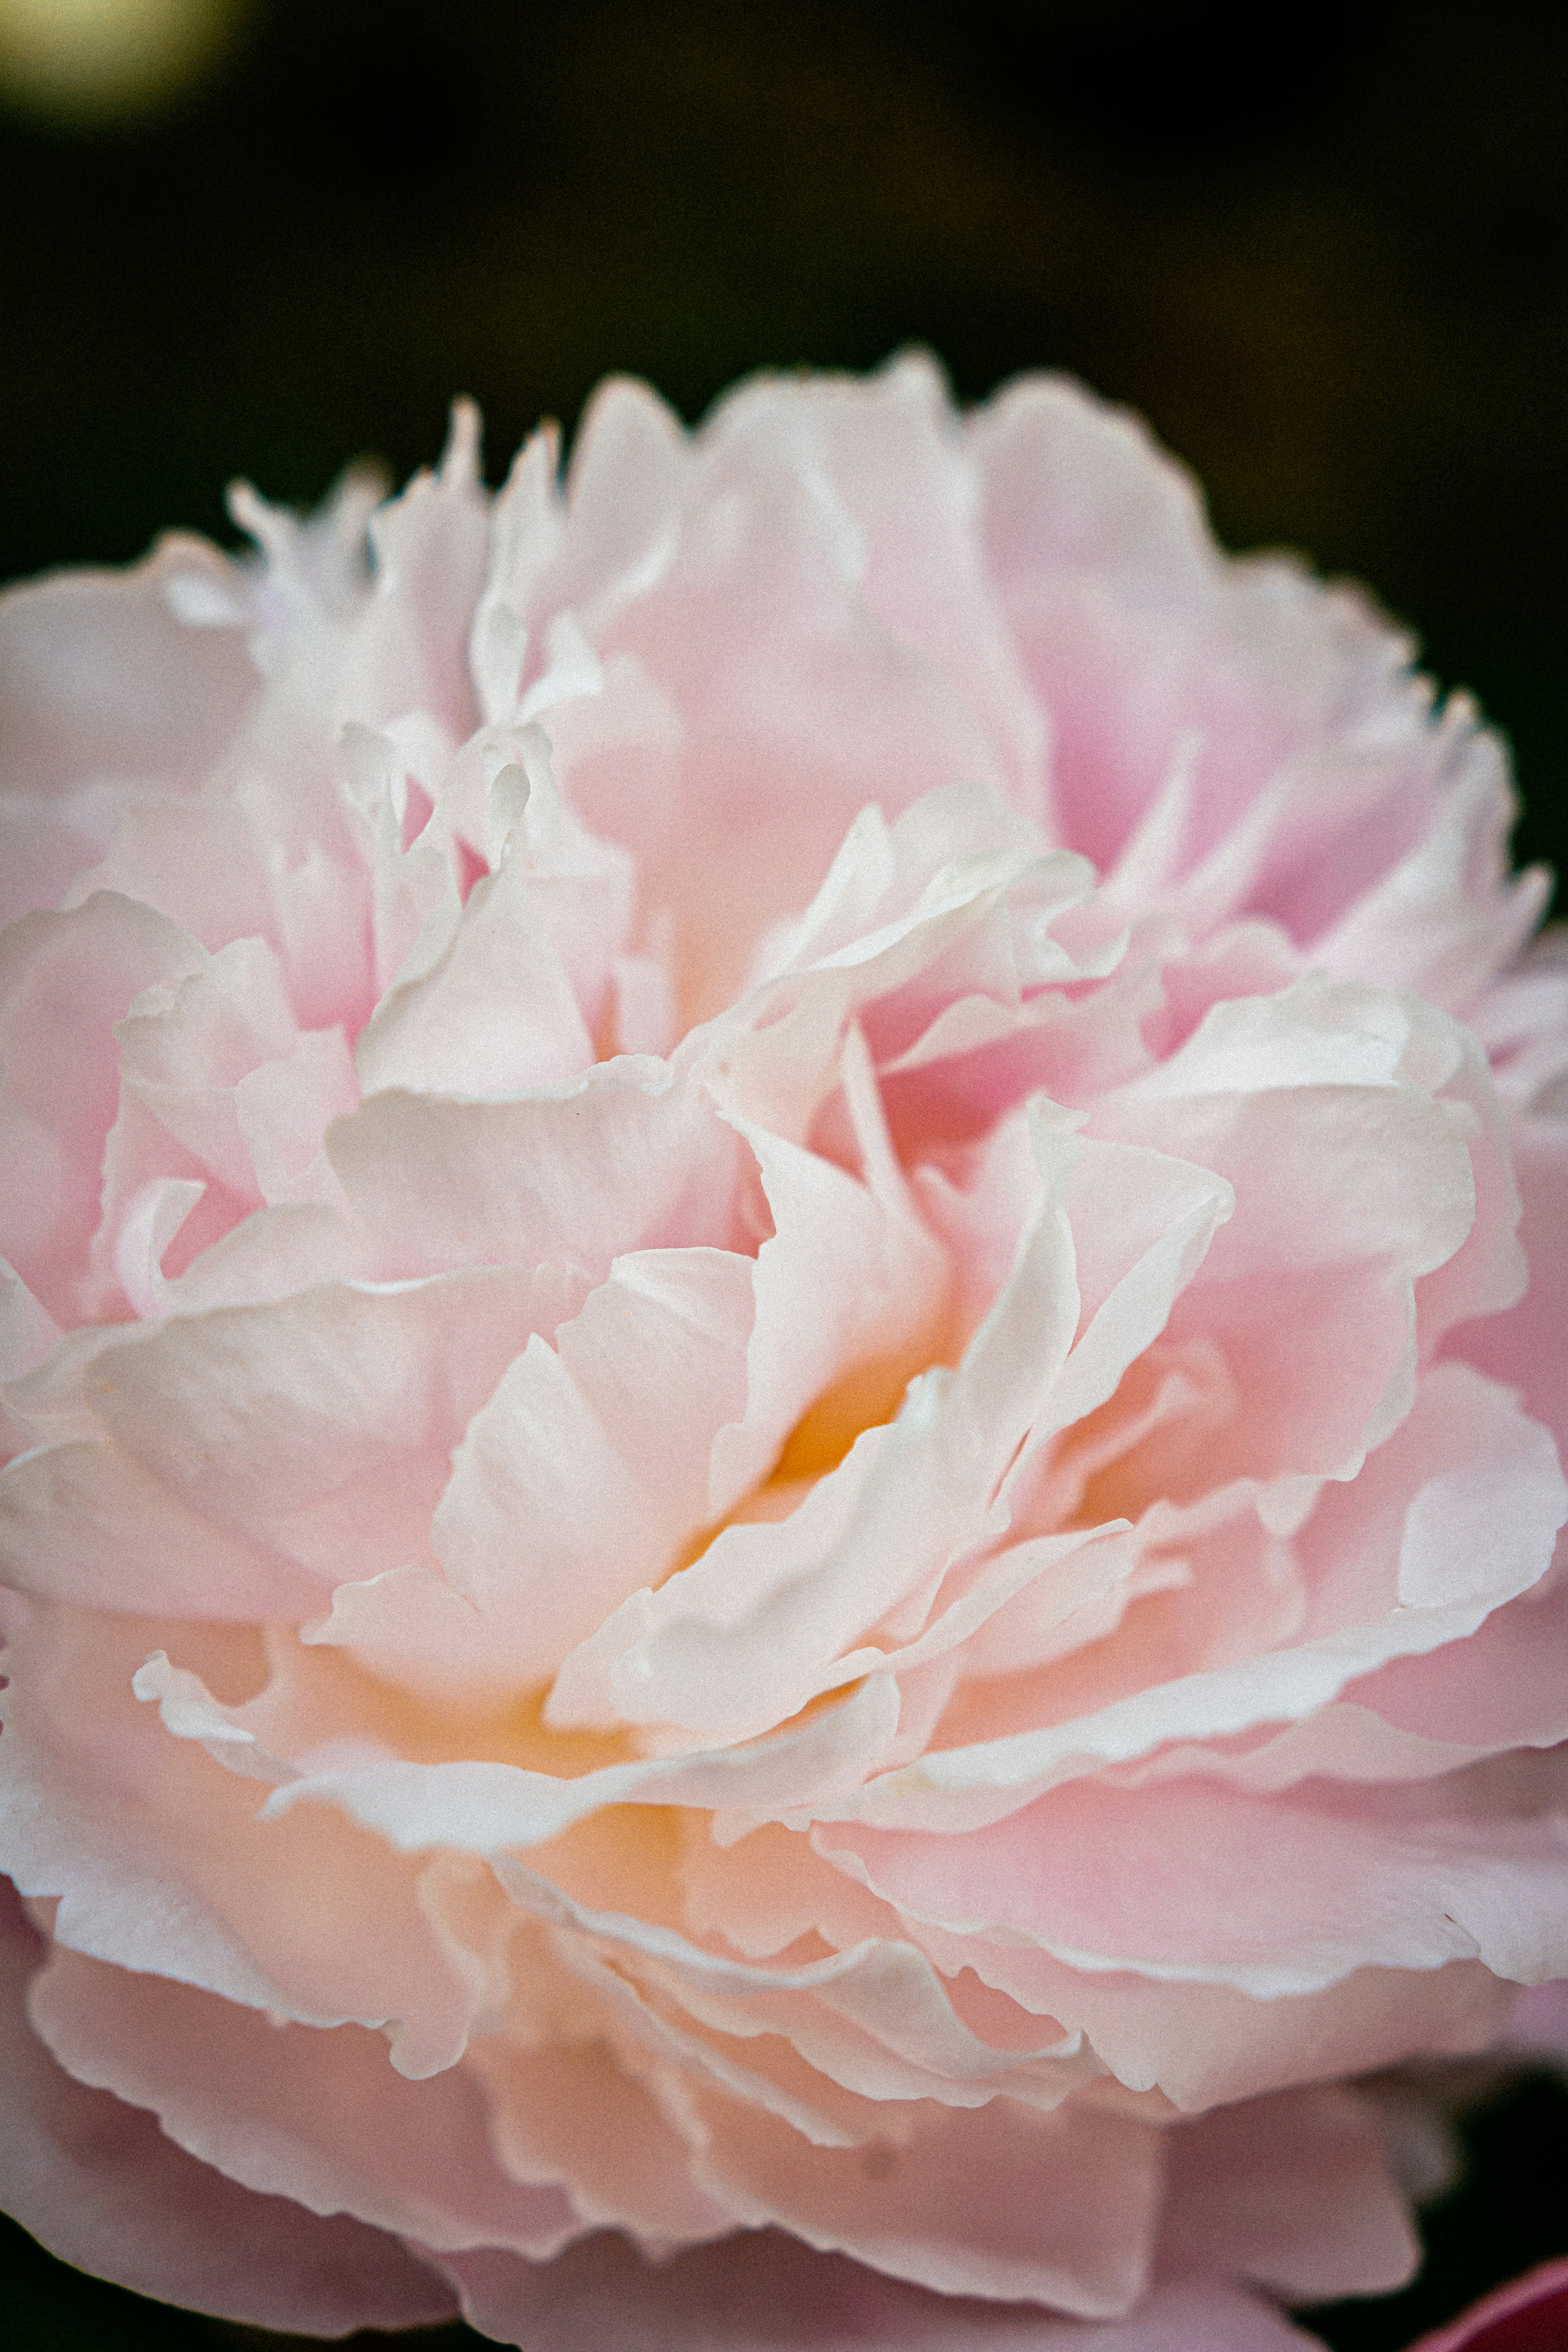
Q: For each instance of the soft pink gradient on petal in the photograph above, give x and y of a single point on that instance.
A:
(112, 697)
(98, 2184)
(782, 1287)
(766, 2292)
(1538, 2023)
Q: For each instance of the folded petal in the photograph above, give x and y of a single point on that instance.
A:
(97, 2182)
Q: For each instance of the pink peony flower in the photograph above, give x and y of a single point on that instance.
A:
(782, 1493)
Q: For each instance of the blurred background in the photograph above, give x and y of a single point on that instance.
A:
(1324, 250)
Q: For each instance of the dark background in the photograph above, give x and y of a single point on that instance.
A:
(1325, 250)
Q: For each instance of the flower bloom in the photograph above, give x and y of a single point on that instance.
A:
(781, 1491)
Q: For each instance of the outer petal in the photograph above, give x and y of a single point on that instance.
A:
(408, 646)
(239, 1463)
(108, 695)
(1201, 2044)
(161, 1865)
(1267, 1895)
(763, 2291)
(1527, 1346)
(799, 706)
(293, 2111)
(1294, 2194)
(1002, 2200)
(1538, 2025)
(890, 448)
(623, 1158)
(65, 981)
(101, 2186)
(1153, 654)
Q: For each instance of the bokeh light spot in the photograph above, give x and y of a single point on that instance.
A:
(91, 61)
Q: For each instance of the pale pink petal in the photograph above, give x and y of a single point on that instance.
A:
(873, 2018)
(243, 1462)
(621, 1159)
(209, 869)
(160, 1859)
(1538, 2023)
(1435, 1488)
(772, 1613)
(110, 696)
(799, 708)
(84, 1522)
(102, 2188)
(65, 981)
(409, 647)
(185, 1047)
(1294, 2194)
(1270, 1895)
(960, 2208)
(1135, 635)
(212, 1066)
(288, 2110)
(850, 1297)
(886, 447)
(1447, 915)
(1501, 1687)
(953, 906)
(586, 1472)
(503, 993)
(761, 2291)
(1208, 2045)
(1529, 1345)
(571, 2114)
(610, 537)
(28, 1336)
(283, 1108)
(488, 1808)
